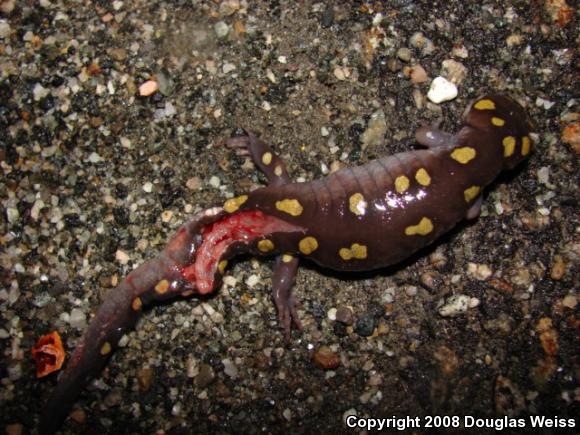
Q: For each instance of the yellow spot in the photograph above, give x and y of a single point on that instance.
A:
(267, 158)
(287, 258)
(401, 183)
(498, 122)
(222, 266)
(471, 193)
(424, 227)
(422, 177)
(265, 245)
(231, 205)
(187, 293)
(308, 245)
(162, 286)
(526, 145)
(509, 145)
(463, 154)
(356, 251)
(357, 204)
(106, 348)
(290, 206)
(484, 105)
(278, 171)
(136, 304)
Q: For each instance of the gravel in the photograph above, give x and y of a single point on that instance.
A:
(96, 177)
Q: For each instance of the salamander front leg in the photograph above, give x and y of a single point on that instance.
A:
(282, 283)
(432, 137)
(263, 156)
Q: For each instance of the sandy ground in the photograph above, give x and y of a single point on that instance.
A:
(95, 178)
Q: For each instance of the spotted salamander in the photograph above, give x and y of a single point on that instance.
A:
(356, 219)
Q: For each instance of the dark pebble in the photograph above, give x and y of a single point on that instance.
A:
(365, 325)
(205, 377)
(121, 216)
(339, 329)
(328, 17)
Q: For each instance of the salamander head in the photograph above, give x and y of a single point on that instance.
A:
(504, 123)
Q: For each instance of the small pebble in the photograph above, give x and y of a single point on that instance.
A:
(558, 268)
(458, 304)
(341, 73)
(39, 92)
(4, 29)
(165, 82)
(454, 71)
(570, 301)
(327, 17)
(571, 136)
(418, 74)
(122, 257)
(365, 325)
(78, 415)
(229, 7)
(441, 90)
(215, 181)
(77, 318)
(325, 358)
(148, 187)
(460, 51)
(374, 135)
(388, 295)
(12, 214)
(193, 183)
(344, 315)
(205, 376)
(230, 368)
(221, 29)
(331, 314)
(148, 88)
(544, 104)
(166, 216)
(145, 378)
(420, 41)
(228, 67)
(479, 271)
(404, 54)
(543, 175)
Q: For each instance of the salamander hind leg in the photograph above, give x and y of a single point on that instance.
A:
(282, 283)
(264, 158)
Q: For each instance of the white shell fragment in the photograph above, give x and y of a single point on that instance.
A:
(441, 90)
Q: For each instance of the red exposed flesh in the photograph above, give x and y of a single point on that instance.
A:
(244, 227)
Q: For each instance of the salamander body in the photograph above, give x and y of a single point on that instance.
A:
(356, 219)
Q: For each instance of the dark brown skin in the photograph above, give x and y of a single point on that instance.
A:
(356, 219)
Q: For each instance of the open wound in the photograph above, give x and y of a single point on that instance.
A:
(242, 227)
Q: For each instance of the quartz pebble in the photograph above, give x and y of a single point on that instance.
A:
(441, 90)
